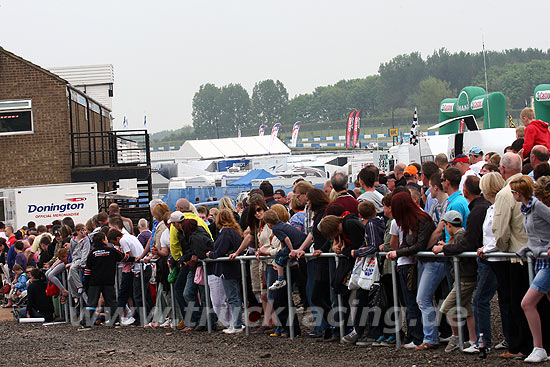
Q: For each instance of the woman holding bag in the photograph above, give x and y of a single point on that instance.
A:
(417, 228)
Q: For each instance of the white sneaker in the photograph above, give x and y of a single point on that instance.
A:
(502, 345)
(278, 285)
(232, 330)
(536, 356)
(410, 345)
(129, 321)
(472, 349)
(166, 324)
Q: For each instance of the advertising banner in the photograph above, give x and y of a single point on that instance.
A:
(349, 128)
(356, 128)
(295, 131)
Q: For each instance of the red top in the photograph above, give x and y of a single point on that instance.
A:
(535, 134)
(347, 201)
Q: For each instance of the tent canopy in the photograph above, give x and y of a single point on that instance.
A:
(232, 147)
(246, 180)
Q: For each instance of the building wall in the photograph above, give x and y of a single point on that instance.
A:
(42, 157)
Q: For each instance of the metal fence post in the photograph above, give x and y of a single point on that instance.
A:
(290, 301)
(396, 309)
(207, 296)
(67, 308)
(143, 312)
(245, 297)
(456, 264)
(530, 268)
(173, 305)
(340, 313)
(116, 284)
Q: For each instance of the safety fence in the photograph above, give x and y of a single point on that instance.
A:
(70, 311)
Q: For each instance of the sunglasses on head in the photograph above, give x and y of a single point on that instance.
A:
(259, 209)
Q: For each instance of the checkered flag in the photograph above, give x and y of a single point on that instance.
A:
(413, 140)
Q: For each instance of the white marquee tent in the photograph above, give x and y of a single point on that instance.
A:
(232, 147)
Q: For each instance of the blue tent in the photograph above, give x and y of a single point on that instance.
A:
(256, 174)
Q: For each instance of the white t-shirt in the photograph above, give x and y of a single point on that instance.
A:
(3, 235)
(395, 230)
(165, 238)
(132, 245)
(476, 167)
(489, 240)
(469, 172)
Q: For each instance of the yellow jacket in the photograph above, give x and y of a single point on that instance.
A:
(175, 245)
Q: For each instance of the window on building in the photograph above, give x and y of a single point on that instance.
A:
(16, 117)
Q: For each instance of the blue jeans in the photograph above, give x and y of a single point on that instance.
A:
(233, 295)
(191, 297)
(320, 324)
(414, 317)
(485, 291)
(270, 278)
(179, 288)
(430, 275)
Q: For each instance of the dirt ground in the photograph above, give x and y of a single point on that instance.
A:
(134, 346)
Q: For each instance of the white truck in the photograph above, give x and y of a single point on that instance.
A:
(43, 204)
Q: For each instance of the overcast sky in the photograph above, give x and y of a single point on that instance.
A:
(162, 51)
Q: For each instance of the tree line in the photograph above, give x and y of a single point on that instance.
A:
(405, 82)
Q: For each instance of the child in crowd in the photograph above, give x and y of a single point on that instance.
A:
(468, 281)
(18, 286)
(290, 238)
(99, 274)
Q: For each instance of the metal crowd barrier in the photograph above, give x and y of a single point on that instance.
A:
(291, 311)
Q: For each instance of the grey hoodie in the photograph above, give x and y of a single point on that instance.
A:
(536, 221)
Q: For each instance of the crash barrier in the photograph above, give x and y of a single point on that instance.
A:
(69, 309)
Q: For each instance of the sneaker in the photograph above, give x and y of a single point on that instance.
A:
(365, 341)
(84, 328)
(278, 285)
(351, 338)
(232, 330)
(378, 342)
(181, 325)
(127, 322)
(166, 324)
(445, 340)
(536, 356)
(410, 345)
(452, 345)
(388, 342)
(472, 349)
(502, 345)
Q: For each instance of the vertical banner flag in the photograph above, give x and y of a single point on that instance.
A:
(262, 129)
(145, 121)
(274, 133)
(295, 130)
(349, 128)
(125, 123)
(356, 128)
(239, 132)
(413, 139)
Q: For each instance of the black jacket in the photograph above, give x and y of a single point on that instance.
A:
(228, 241)
(353, 237)
(419, 239)
(38, 301)
(101, 265)
(471, 240)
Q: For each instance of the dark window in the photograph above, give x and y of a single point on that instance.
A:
(15, 122)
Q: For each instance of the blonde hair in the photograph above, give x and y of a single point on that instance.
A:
(520, 132)
(542, 189)
(523, 185)
(302, 187)
(225, 219)
(527, 112)
(333, 195)
(160, 210)
(226, 203)
(491, 183)
(296, 204)
(281, 211)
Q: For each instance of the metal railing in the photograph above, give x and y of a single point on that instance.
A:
(69, 311)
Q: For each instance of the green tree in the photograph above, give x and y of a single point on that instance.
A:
(234, 104)
(430, 93)
(206, 111)
(269, 102)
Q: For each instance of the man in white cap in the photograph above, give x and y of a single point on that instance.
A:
(476, 159)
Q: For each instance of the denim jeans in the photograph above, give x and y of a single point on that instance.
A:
(430, 274)
(179, 288)
(191, 295)
(414, 317)
(320, 324)
(232, 292)
(485, 291)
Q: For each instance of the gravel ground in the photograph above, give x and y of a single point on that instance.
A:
(134, 346)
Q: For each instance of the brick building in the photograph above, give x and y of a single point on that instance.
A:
(50, 132)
